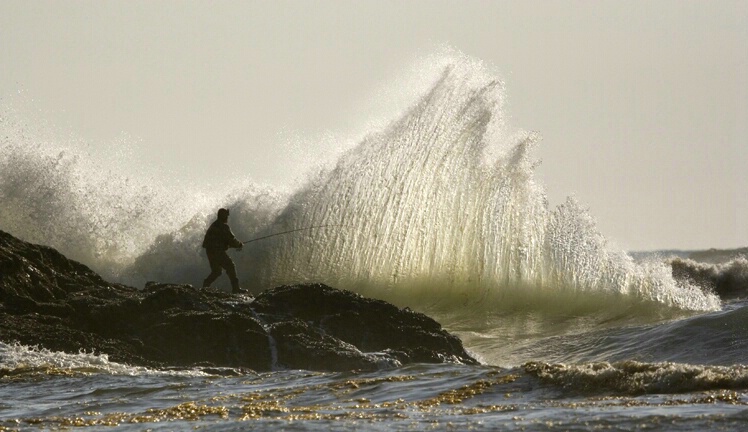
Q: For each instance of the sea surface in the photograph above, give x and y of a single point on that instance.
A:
(438, 210)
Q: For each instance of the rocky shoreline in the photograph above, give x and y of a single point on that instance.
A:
(49, 301)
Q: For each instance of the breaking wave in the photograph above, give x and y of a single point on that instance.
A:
(424, 212)
(439, 209)
(727, 279)
(635, 378)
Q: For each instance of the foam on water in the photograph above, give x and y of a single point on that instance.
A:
(634, 378)
(21, 360)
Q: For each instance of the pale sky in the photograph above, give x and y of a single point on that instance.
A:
(641, 105)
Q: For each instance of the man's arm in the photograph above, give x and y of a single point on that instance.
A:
(231, 240)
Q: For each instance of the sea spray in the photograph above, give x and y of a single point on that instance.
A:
(99, 209)
(56, 197)
(440, 208)
(427, 216)
(178, 255)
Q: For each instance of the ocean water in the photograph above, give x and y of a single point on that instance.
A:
(438, 210)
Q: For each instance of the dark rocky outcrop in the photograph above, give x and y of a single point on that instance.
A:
(62, 305)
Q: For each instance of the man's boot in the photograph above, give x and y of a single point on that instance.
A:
(235, 287)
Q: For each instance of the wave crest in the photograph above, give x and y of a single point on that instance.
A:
(635, 378)
(728, 279)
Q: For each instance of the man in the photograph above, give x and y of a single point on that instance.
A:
(218, 239)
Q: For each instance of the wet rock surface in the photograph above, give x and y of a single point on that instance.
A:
(61, 305)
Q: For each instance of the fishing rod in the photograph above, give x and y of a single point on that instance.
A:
(289, 231)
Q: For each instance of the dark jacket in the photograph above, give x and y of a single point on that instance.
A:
(220, 237)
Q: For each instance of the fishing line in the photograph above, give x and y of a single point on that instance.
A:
(289, 231)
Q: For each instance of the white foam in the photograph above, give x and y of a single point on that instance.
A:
(15, 356)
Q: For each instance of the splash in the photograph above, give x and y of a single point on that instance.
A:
(96, 212)
(438, 208)
(428, 215)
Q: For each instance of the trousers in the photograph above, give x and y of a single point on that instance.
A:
(219, 260)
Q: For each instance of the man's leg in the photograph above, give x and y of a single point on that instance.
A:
(225, 261)
(215, 269)
(231, 272)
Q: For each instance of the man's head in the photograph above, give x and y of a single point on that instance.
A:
(223, 214)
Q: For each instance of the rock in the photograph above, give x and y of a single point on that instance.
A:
(369, 325)
(62, 305)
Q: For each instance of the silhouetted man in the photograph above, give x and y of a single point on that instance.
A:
(218, 239)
